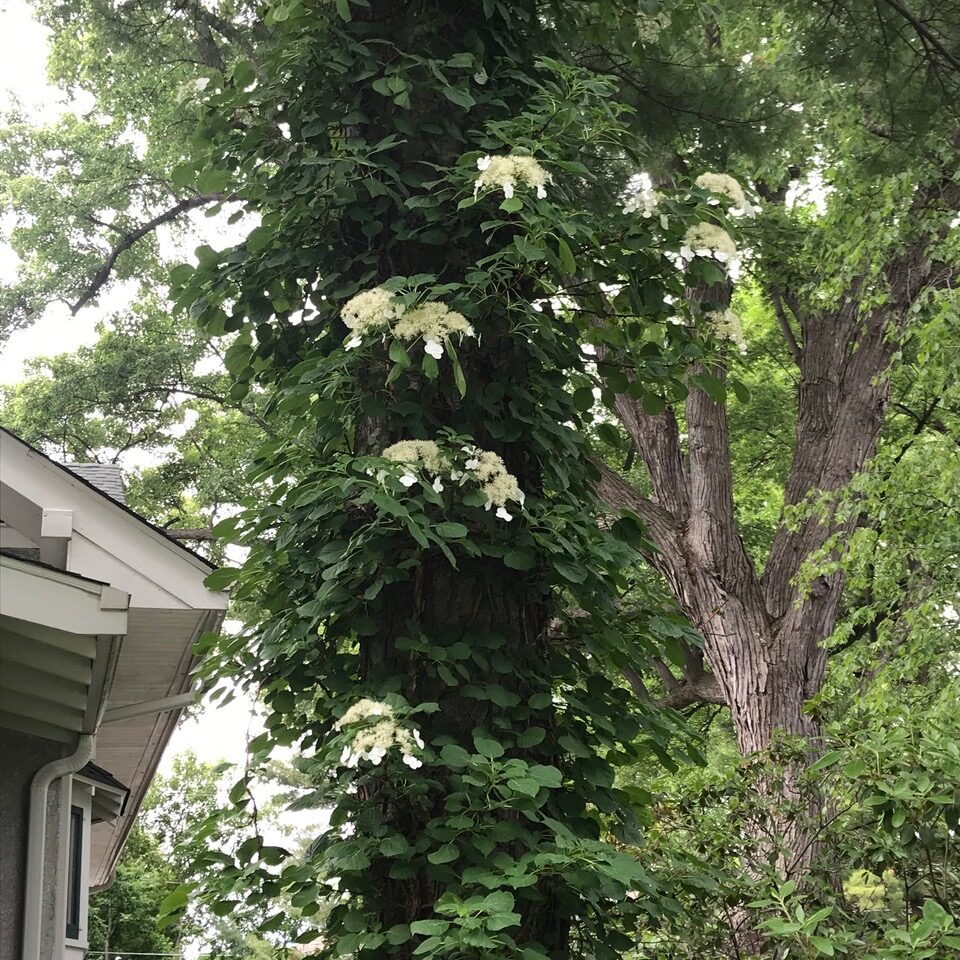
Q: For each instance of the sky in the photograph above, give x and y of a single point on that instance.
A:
(213, 734)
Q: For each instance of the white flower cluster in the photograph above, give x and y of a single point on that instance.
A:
(724, 185)
(506, 172)
(374, 740)
(484, 467)
(376, 308)
(496, 482)
(708, 240)
(416, 453)
(368, 311)
(727, 326)
(644, 201)
(650, 28)
(434, 322)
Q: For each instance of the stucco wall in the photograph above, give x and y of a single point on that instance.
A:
(21, 756)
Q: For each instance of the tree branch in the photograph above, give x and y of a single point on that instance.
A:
(617, 494)
(792, 345)
(128, 239)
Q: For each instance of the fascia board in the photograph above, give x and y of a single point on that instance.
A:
(108, 525)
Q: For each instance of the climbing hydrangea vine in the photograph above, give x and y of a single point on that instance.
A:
(434, 623)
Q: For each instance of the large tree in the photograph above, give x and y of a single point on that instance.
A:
(858, 97)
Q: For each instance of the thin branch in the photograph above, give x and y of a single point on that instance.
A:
(204, 534)
(792, 345)
(102, 275)
(925, 34)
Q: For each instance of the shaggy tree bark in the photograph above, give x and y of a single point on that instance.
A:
(763, 653)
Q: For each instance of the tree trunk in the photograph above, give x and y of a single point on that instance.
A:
(763, 636)
(482, 597)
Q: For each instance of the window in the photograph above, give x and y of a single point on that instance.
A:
(74, 892)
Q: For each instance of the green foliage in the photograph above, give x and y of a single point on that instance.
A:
(379, 585)
(142, 391)
(125, 916)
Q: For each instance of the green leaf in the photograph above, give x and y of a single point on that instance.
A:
(531, 737)
(653, 404)
(712, 386)
(529, 251)
(459, 96)
(458, 378)
(524, 785)
(823, 945)
(176, 899)
(429, 927)
(445, 854)
(569, 571)
(400, 934)
(491, 749)
(547, 776)
(567, 262)
(583, 399)
(827, 760)
(512, 205)
(451, 531)
(520, 559)
(398, 354)
(394, 846)
(740, 390)
(221, 579)
(453, 755)
(343, 8)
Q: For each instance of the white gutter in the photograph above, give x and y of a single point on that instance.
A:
(37, 839)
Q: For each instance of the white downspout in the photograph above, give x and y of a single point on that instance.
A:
(37, 839)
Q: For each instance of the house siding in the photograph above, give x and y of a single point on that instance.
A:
(21, 756)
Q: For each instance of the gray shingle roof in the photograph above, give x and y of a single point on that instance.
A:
(104, 476)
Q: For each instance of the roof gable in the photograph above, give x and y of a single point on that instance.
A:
(50, 504)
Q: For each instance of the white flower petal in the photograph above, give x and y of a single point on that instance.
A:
(438, 485)
(353, 343)
(412, 762)
(484, 162)
(503, 514)
(408, 479)
(433, 348)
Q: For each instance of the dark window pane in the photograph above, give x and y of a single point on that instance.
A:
(73, 873)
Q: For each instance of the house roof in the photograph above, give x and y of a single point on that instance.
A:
(106, 477)
(110, 799)
(86, 477)
(77, 526)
